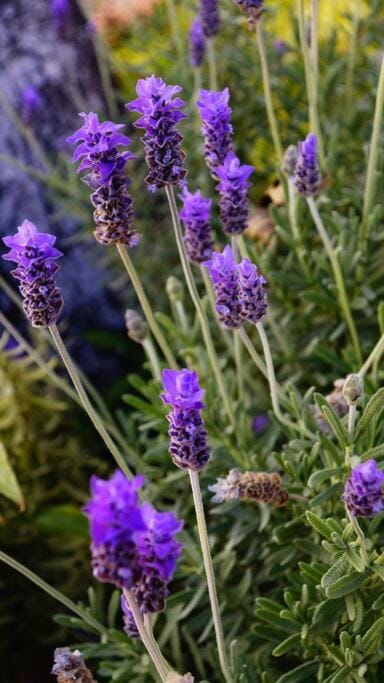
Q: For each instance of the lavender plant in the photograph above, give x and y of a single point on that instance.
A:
(292, 550)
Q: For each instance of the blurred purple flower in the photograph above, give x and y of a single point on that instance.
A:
(196, 44)
(196, 217)
(35, 256)
(59, 12)
(363, 492)
(215, 114)
(252, 8)
(233, 189)
(260, 423)
(30, 103)
(210, 17)
(160, 114)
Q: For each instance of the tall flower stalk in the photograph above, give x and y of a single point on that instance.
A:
(268, 93)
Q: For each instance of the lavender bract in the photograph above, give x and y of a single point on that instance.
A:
(225, 279)
(210, 17)
(196, 44)
(196, 217)
(188, 437)
(97, 150)
(133, 545)
(252, 8)
(363, 492)
(252, 292)
(233, 189)
(35, 255)
(307, 171)
(160, 114)
(216, 127)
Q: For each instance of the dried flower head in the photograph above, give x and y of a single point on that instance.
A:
(69, 667)
(215, 114)
(363, 492)
(289, 160)
(196, 44)
(225, 279)
(188, 445)
(353, 389)
(307, 172)
(210, 17)
(233, 190)
(35, 256)
(196, 217)
(261, 487)
(160, 113)
(137, 328)
(174, 288)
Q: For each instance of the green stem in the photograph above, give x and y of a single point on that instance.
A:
(371, 180)
(342, 294)
(292, 210)
(208, 566)
(199, 308)
(88, 407)
(315, 43)
(211, 298)
(373, 357)
(211, 57)
(146, 306)
(360, 536)
(268, 94)
(310, 81)
(82, 613)
(352, 55)
(176, 36)
(258, 361)
(150, 350)
(149, 642)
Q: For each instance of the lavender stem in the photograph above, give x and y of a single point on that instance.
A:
(149, 642)
(268, 93)
(150, 350)
(199, 308)
(236, 337)
(342, 294)
(83, 396)
(146, 306)
(373, 357)
(211, 57)
(208, 566)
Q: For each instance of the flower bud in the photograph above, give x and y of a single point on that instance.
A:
(174, 289)
(352, 389)
(137, 328)
(289, 160)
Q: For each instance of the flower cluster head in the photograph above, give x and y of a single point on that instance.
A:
(363, 492)
(240, 290)
(97, 149)
(261, 487)
(196, 217)
(69, 667)
(233, 190)
(307, 172)
(196, 44)
(160, 113)
(133, 545)
(252, 8)
(35, 256)
(215, 114)
(210, 17)
(188, 437)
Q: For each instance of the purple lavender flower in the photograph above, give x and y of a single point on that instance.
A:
(188, 437)
(59, 13)
(196, 44)
(225, 279)
(363, 492)
(260, 423)
(216, 127)
(196, 217)
(233, 188)
(30, 103)
(307, 172)
(252, 292)
(133, 545)
(252, 8)
(35, 256)
(210, 17)
(97, 150)
(160, 113)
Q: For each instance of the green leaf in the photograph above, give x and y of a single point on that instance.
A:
(339, 676)
(374, 453)
(379, 603)
(380, 316)
(304, 672)
(335, 572)
(326, 614)
(66, 519)
(287, 645)
(323, 475)
(9, 486)
(331, 418)
(346, 584)
(372, 410)
(372, 638)
(331, 491)
(355, 559)
(319, 525)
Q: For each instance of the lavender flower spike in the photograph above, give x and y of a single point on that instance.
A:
(233, 190)
(188, 437)
(196, 44)
(160, 114)
(70, 666)
(215, 114)
(196, 217)
(224, 275)
(307, 173)
(252, 292)
(97, 150)
(252, 8)
(363, 492)
(210, 17)
(35, 256)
